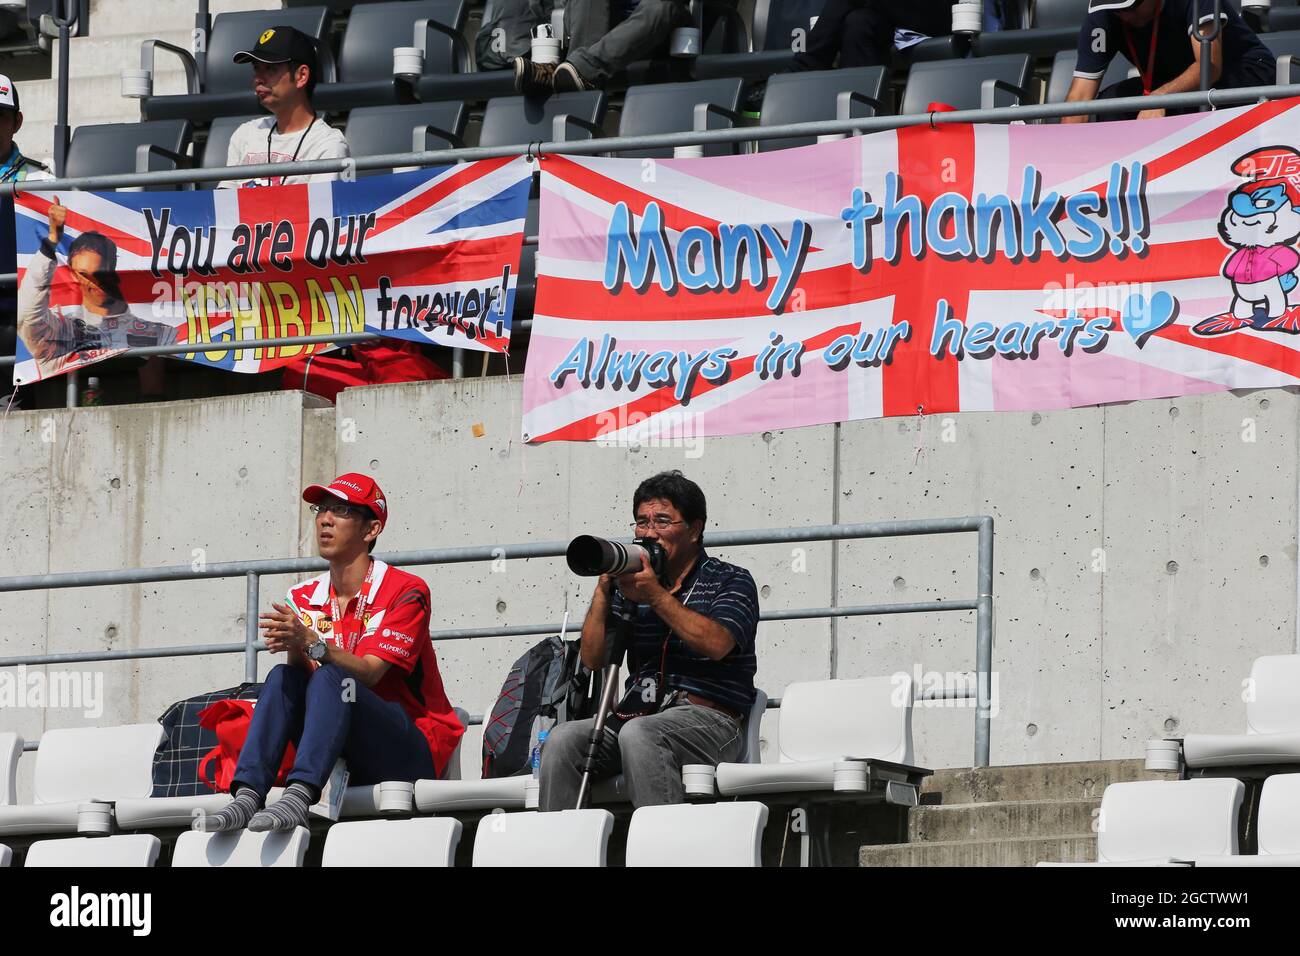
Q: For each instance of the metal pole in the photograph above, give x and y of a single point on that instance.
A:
(202, 30)
(250, 627)
(984, 644)
(1207, 42)
(65, 15)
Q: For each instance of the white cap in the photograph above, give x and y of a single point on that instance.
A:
(8, 94)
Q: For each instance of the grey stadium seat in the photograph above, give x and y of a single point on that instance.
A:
(365, 61)
(11, 748)
(777, 25)
(1278, 829)
(228, 90)
(1286, 47)
(1283, 15)
(241, 848)
(379, 130)
(512, 120)
(423, 841)
(1272, 722)
(128, 148)
(821, 95)
(217, 144)
(677, 108)
(968, 84)
(1055, 27)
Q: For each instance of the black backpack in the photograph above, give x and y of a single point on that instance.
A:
(545, 687)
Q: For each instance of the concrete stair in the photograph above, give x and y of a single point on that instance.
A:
(96, 62)
(1007, 816)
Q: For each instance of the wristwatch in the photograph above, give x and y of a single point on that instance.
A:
(317, 651)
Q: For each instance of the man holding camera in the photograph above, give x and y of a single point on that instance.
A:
(691, 659)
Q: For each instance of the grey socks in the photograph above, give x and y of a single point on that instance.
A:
(234, 817)
(288, 812)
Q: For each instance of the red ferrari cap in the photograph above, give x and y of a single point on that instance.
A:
(354, 488)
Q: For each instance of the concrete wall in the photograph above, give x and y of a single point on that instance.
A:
(1145, 553)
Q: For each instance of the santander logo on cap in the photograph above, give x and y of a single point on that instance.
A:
(355, 488)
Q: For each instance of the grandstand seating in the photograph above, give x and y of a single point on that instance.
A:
(217, 146)
(129, 147)
(380, 130)
(566, 838)
(982, 83)
(681, 107)
(363, 801)
(1278, 827)
(365, 61)
(1286, 47)
(1283, 15)
(774, 35)
(820, 95)
(1058, 83)
(1272, 722)
(139, 849)
(228, 88)
(1055, 26)
(11, 748)
(1166, 823)
(405, 843)
(515, 120)
(715, 834)
(81, 765)
(825, 722)
(242, 848)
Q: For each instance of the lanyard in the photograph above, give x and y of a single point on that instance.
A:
(348, 642)
(1148, 75)
(271, 130)
(12, 166)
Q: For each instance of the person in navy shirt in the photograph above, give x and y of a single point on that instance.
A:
(691, 663)
(1162, 38)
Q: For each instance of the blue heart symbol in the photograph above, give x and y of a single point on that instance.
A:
(1143, 317)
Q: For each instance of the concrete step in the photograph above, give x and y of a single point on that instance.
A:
(100, 56)
(109, 17)
(1018, 851)
(1050, 781)
(999, 821)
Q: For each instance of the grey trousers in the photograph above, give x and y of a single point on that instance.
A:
(599, 52)
(650, 752)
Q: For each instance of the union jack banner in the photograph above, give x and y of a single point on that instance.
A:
(922, 270)
(429, 256)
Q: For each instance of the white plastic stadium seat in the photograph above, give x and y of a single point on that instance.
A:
(709, 834)
(824, 722)
(146, 813)
(82, 764)
(423, 841)
(452, 794)
(241, 848)
(565, 838)
(1272, 721)
(1279, 827)
(1167, 822)
(6, 855)
(11, 748)
(136, 849)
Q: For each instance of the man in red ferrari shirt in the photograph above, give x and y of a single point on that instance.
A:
(361, 680)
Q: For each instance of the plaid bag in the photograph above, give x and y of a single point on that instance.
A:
(185, 743)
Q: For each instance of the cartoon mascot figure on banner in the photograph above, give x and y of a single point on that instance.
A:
(1261, 224)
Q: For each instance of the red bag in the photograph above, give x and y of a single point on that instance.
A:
(229, 719)
(372, 363)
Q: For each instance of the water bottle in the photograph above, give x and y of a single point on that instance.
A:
(537, 754)
(92, 396)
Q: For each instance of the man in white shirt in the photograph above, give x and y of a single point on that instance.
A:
(284, 77)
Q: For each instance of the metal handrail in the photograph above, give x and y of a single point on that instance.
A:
(252, 572)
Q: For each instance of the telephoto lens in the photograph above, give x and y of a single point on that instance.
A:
(589, 556)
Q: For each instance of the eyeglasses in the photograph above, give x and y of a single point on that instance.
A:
(341, 510)
(660, 523)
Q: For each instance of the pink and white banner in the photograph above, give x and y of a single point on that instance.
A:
(919, 270)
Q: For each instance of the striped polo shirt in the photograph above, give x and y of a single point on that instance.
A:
(720, 591)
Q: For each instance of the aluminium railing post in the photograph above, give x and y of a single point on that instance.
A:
(64, 16)
(250, 627)
(984, 644)
(202, 30)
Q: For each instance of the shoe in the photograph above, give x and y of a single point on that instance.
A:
(568, 80)
(533, 78)
(1220, 325)
(1288, 321)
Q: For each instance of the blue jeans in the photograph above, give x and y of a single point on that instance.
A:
(326, 718)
